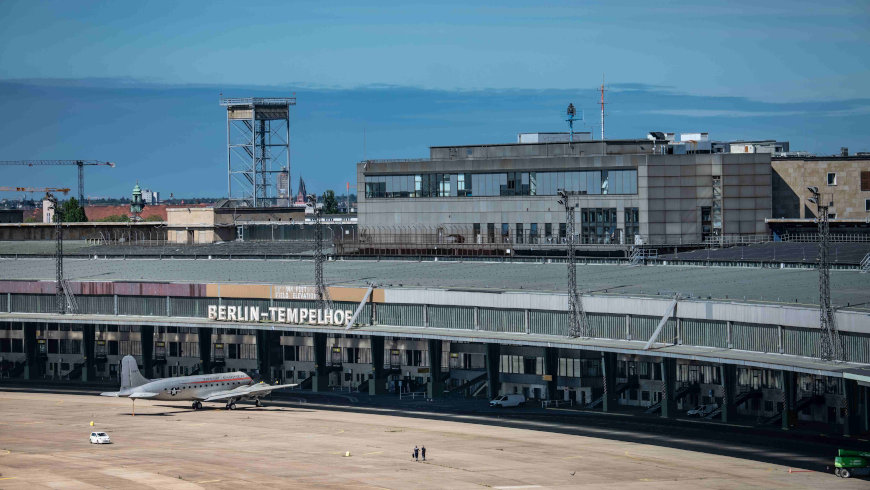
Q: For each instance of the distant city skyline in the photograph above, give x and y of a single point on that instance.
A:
(138, 83)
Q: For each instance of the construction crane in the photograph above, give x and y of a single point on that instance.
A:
(79, 163)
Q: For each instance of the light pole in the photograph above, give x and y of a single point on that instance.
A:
(579, 326)
(323, 301)
(829, 347)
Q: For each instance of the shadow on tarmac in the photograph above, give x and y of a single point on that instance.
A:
(792, 449)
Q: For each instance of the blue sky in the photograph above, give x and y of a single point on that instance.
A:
(138, 82)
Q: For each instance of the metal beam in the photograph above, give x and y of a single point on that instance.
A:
(668, 313)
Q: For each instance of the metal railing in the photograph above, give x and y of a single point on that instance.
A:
(865, 263)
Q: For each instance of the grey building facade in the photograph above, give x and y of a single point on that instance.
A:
(623, 191)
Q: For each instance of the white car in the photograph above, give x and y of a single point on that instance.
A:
(100, 438)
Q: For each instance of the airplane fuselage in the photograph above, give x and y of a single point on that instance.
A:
(191, 388)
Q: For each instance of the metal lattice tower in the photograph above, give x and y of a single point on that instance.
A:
(829, 345)
(59, 299)
(323, 299)
(258, 147)
(579, 324)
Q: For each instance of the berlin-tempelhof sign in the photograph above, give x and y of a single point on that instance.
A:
(311, 316)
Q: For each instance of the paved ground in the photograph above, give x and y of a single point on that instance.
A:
(776, 285)
(43, 444)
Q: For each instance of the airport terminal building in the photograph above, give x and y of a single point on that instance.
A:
(657, 353)
(623, 191)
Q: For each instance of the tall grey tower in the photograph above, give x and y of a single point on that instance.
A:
(258, 147)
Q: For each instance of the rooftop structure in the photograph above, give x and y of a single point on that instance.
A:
(258, 146)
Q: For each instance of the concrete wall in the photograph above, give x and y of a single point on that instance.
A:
(792, 176)
(191, 225)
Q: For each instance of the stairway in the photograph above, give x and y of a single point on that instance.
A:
(678, 395)
(468, 384)
(739, 400)
(620, 388)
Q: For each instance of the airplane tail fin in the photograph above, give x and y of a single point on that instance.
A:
(130, 377)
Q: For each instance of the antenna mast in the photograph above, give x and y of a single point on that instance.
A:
(602, 107)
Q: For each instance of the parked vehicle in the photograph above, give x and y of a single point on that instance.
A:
(702, 410)
(513, 400)
(849, 463)
(100, 438)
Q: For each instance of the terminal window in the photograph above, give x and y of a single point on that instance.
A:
(598, 225)
(620, 181)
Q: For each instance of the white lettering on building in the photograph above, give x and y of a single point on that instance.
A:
(293, 316)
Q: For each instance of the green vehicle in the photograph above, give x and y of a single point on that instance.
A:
(849, 463)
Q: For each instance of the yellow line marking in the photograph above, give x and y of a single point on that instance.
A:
(373, 452)
(340, 431)
(30, 423)
(208, 481)
(9, 478)
(7, 452)
(573, 457)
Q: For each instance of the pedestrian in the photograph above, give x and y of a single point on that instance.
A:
(416, 453)
(423, 452)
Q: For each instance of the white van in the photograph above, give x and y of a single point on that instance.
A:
(508, 401)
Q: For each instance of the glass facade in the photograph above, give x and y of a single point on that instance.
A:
(596, 182)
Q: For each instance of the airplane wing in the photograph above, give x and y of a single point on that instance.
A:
(143, 394)
(258, 389)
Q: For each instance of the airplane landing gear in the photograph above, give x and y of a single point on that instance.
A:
(258, 403)
(196, 405)
(231, 405)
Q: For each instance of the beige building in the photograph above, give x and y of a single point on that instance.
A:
(221, 222)
(843, 182)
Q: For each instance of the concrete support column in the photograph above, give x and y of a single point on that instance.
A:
(608, 372)
(88, 368)
(669, 381)
(789, 392)
(851, 423)
(551, 368)
(729, 375)
(146, 333)
(435, 386)
(865, 408)
(268, 354)
(377, 383)
(320, 381)
(493, 380)
(204, 335)
(33, 365)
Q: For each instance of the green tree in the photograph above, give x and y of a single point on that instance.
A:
(330, 205)
(72, 212)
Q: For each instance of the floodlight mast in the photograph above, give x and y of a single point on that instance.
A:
(829, 345)
(579, 325)
(323, 300)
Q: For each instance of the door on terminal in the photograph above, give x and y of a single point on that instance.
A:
(189, 236)
(395, 359)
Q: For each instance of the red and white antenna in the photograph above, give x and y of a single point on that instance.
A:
(602, 106)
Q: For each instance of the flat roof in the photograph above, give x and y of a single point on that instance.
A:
(585, 142)
(767, 285)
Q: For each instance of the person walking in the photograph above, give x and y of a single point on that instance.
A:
(416, 453)
(423, 452)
